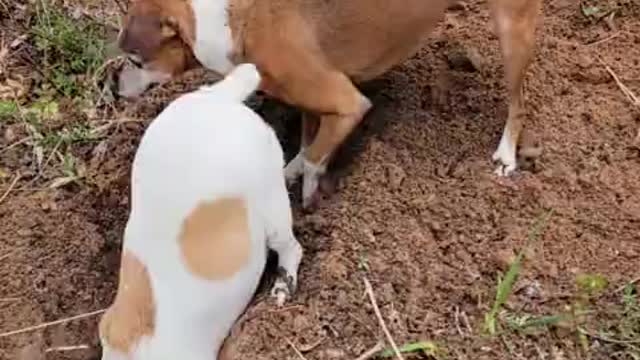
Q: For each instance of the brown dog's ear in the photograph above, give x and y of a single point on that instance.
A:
(146, 35)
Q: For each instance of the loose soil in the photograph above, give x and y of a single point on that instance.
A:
(417, 209)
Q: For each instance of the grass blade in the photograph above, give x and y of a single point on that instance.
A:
(505, 285)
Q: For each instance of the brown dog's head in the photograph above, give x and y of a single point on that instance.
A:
(156, 36)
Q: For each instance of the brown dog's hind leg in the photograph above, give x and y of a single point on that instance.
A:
(515, 22)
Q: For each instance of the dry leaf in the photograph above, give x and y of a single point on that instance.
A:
(12, 89)
(62, 181)
(19, 40)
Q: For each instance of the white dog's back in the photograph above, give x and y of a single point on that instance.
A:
(206, 151)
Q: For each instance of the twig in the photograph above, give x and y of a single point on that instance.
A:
(606, 339)
(11, 186)
(307, 348)
(466, 321)
(598, 42)
(247, 317)
(19, 142)
(295, 349)
(625, 90)
(372, 298)
(67, 348)
(48, 324)
(621, 288)
(10, 253)
(9, 299)
(102, 128)
(541, 355)
(46, 162)
(5, 6)
(379, 346)
(120, 7)
(456, 316)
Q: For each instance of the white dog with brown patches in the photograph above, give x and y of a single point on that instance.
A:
(208, 199)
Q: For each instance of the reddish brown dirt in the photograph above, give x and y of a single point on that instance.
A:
(417, 209)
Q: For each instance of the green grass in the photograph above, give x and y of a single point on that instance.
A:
(620, 332)
(597, 10)
(67, 54)
(71, 50)
(505, 284)
(8, 109)
(427, 348)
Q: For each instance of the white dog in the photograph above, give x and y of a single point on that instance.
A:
(208, 199)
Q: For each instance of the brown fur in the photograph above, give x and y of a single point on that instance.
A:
(131, 315)
(310, 51)
(161, 33)
(215, 239)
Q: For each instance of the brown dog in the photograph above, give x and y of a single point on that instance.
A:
(310, 52)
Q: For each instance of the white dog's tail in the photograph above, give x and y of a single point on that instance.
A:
(238, 84)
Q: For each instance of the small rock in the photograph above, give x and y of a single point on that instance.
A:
(317, 222)
(547, 268)
(386, 293)
(25, 232)
(301, 322)
(457, 5)
(334, 354)
(395, 175)
(504, 258)
(530, 289)
(435, 226)
(9, 135)
(468, 60)
(530, 148)
(49, 205)
(31, 352)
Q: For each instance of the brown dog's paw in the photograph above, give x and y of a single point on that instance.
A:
(529, 151)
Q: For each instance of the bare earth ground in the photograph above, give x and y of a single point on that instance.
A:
(417, 209)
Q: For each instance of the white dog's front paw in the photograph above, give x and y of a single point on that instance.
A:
(284, 287)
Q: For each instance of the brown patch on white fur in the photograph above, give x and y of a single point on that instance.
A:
(132, 314)
(215, 239)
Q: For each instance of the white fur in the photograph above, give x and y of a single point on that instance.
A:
(310, 172)
(205, 145)
(213, 43)
(506, 155)
(134, 81)
(295, 167)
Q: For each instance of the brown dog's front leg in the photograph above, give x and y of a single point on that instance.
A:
(334, 129)
(515, 22)
(332, 94)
